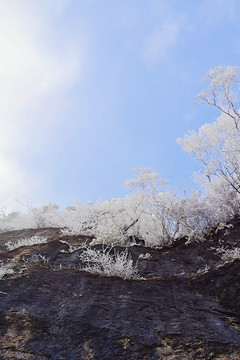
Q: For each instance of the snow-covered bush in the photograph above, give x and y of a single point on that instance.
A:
(35, 259)
(108, 263)
(5, 271)
(109, 222)
(203, 270)
(46, 216)
(201, 213)
(77, 219)
(14, 220)
(159, 212)
(146, 256)
(229, 255)
(28, 241)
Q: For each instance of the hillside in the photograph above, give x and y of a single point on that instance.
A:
(184, 305)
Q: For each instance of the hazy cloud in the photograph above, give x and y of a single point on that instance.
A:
(31, 70)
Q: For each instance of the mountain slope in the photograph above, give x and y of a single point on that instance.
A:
(184, 306)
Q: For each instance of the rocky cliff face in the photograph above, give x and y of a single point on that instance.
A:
(185, 306)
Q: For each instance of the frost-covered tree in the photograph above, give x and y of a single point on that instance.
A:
(46, 216)
(202, 213)
(108, 222)
(76, 219)
(160, 212)
(217, 145)
(14, 220)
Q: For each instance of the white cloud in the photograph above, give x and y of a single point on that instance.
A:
(161, 42)
(34, 65)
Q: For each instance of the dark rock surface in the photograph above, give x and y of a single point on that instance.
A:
(180, 309)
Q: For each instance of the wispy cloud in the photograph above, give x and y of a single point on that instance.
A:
(160, 42)
(33, 67)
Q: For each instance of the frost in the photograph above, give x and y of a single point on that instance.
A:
(146, 256)
(5, 271)
(105, 262)
(229, 255)
(28, 241)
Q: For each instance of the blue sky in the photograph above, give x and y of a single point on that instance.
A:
(91, 89)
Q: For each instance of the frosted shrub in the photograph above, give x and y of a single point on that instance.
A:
(229, 255)
(112, 237)
(222, 201)
(5, 271)
(81, 219)
(111, 222)
(35, 259)
(46, 216)
(159, 213)
(60, 267)
(14, 221)
(203, 270)
(103, 262)
(146, 256)
(11, 245)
